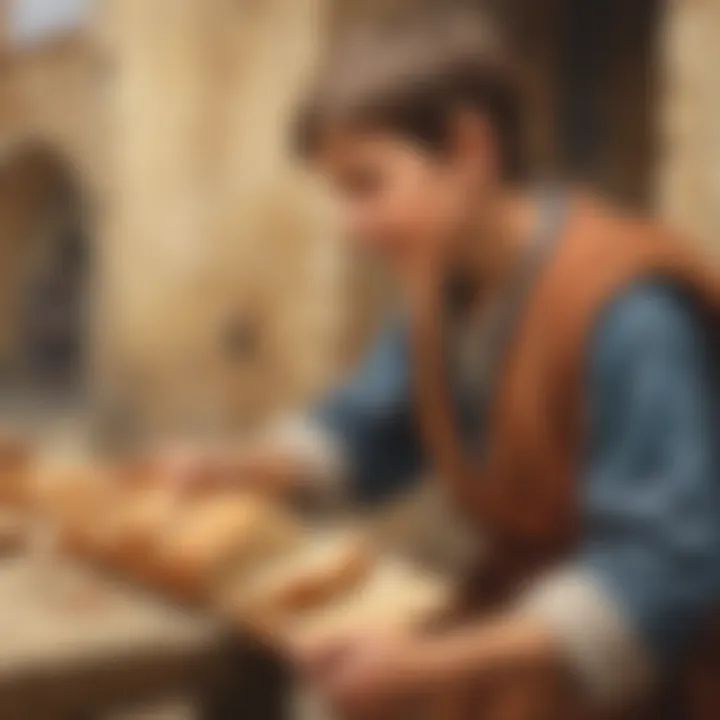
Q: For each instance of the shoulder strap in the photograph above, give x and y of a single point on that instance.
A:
(497, 339)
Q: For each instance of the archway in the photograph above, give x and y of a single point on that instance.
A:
(43, 276)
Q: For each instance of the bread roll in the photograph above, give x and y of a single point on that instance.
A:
(218, 535)
(135, 527)
(102, 512)
(395, 596)
(113, 525)
(15, 460)
(13, 533)
(80, 506)
(319, 572)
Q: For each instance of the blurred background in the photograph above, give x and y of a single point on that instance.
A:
(165, 267)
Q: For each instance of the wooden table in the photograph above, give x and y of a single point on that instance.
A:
(74, 646)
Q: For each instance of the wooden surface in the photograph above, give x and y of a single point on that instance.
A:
(76, 645)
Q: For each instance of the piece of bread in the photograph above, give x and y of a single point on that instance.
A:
(395, 596)
(227, 533)
(64, 496)
(320, 571)
(13, 533)
(134, 528)
(114, 524)
(15, 461)
(79, 505)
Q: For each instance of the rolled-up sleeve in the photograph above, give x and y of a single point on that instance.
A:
(648, 570)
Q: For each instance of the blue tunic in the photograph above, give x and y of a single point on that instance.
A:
(651, 482)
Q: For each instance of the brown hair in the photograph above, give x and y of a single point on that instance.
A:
(410, 77)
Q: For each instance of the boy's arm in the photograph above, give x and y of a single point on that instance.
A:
(369, 425)
(648, 571)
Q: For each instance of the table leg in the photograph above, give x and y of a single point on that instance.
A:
(252, 684)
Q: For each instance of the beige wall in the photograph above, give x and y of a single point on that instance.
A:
(207, 226)
(218, 284)
(689, 189)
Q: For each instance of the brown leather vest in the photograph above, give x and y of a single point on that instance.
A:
(523, 495)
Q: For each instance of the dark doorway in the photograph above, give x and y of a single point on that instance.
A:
(44, 246)
(593, 75)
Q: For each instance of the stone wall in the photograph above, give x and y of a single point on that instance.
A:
(217, 282)
(689, 186)
(219, 290)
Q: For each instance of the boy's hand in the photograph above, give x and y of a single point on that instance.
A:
(369, 676)
(189, 471)
(197, 471)
(508, 667)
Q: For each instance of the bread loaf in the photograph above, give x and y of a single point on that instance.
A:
(13, 533)
(134, 528)
(220, 535)
(395, 596)
(320, 571)
(97, 516)
(239, 550)
(80, 506)
(15, 460)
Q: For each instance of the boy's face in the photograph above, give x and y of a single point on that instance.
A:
(401, 201)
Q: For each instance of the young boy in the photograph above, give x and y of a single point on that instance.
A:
(555, 361)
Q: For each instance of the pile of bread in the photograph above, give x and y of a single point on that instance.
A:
(242, 554)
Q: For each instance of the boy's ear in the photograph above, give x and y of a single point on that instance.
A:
(473, 143)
